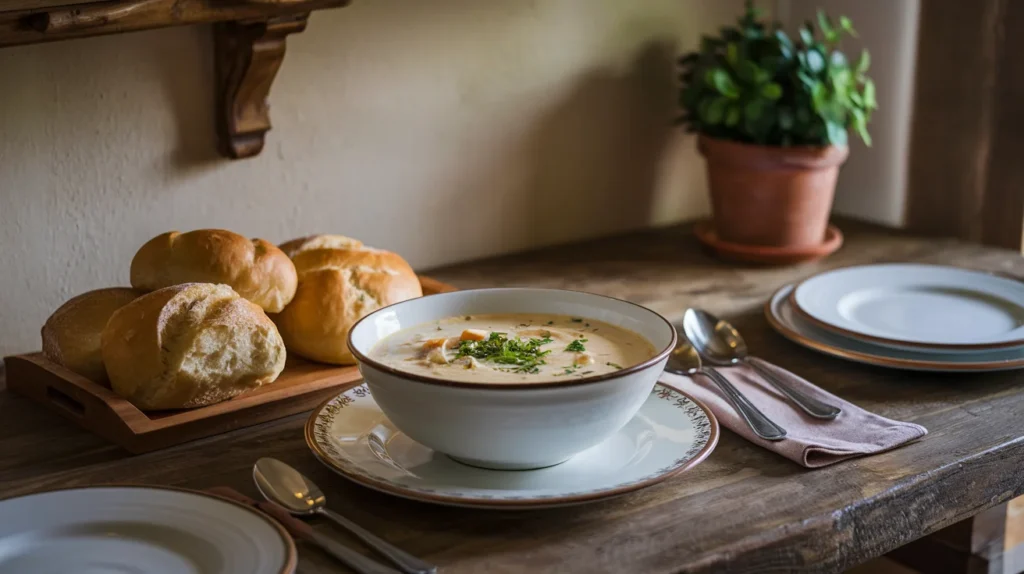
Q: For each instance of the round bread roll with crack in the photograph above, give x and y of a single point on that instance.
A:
(188, 346)
(256, 269)
(311, 242)
(71, 336)
(337, 287)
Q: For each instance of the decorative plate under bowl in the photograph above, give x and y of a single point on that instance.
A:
(671, 433)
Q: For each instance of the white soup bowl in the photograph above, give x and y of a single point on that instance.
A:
(511, 425)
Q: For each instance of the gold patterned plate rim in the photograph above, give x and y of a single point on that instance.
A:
(319, 424)
(880, 358)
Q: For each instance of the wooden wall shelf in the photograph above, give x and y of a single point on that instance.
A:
(249, 45)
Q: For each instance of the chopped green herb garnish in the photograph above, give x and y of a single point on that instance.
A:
(586, 324)
(577, 346)
(551, 322)
(469, 317)
(524, 355)
(438, 327)
(576, 320)
(568, 370)
(586, 372)
(616, 365)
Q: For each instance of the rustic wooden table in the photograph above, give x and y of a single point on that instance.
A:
(742, 510)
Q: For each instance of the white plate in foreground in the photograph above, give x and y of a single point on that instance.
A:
(144, 530)
(784, 318)
(912, 305)
(671, 433)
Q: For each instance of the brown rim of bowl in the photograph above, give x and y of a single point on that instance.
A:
(291, 554)
(660, 356)
(875, 360)
(886, 341)
(389, 488)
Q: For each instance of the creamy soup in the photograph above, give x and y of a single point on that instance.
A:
(512, 348)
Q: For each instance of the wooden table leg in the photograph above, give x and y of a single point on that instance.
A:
(991, 542)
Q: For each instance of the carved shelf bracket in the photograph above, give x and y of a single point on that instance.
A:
(248, 55)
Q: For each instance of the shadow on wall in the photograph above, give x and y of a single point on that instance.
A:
(195, 130)
(596, 154)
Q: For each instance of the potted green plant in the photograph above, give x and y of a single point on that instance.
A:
(772, 116)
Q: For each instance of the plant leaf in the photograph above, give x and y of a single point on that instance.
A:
(826, 27)
(847, 25)
(732, 116)
(869, 95)
(753, 110)
(771, 90)
(806, 36)
(716, 111)
(815, 61)
(702, 109)
(732, 54)
(747, 70)
(836, 133)
(863, 62)
(785, 119)
(722, 82)
(841, 80)
(783, 39)
(860, 125)
(818, 93)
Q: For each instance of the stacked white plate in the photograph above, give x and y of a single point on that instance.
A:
(907, 316)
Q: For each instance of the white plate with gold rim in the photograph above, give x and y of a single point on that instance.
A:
(137, 529)
(784, 318)
(670, 434)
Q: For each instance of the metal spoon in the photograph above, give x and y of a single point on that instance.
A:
(289, 488)
(684, 360)
(721, 344)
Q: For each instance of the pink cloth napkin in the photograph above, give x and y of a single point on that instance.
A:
(810, 442)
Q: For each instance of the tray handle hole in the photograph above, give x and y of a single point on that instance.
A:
(65, 401)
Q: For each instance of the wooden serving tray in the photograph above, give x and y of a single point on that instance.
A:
(301, 386)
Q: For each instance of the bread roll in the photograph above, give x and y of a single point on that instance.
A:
(71, 336)
(337, 287)
(296, 246)
(256, 269)
(190, 345)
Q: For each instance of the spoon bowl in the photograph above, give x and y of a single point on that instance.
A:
(287, 487)
(721, 344)
(716, 340)
(685, 360)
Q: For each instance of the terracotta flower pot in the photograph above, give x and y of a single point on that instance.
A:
(776, 196)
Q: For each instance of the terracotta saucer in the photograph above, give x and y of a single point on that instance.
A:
(766, 255)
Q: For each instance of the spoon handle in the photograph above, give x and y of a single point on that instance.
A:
(408, 563)
(759, 423)
(354, 560)
(809, 404)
